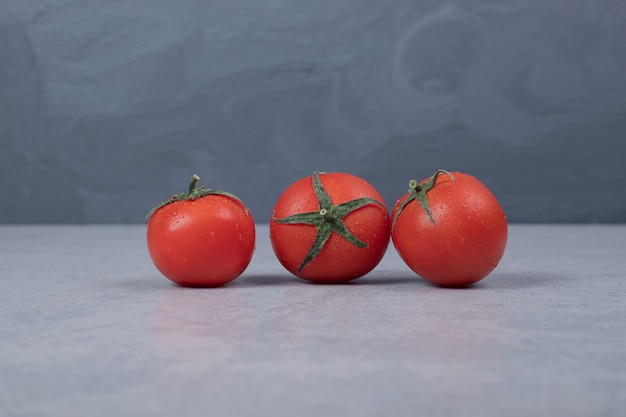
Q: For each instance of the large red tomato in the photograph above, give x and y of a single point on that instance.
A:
(330, 227)
(449, 229)
(202, 238)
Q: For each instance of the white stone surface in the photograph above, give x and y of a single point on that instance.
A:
(88, 327)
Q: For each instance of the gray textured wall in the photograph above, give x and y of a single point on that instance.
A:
(107, 107)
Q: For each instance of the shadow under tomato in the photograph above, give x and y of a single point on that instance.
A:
(261, 280)
(517, 280)
(265, 280)
(392, 280)
(286, 279)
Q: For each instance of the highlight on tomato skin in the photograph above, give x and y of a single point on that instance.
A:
(201, 238)
(330, 227)
(449, 229)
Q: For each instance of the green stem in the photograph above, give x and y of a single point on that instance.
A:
(418, 192)
(414, 186)
(327, 215)
(327, 220)
(194, 193)
(192, 185)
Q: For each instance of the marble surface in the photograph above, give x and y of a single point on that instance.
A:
(88, 327)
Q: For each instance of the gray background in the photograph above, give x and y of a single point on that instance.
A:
(108, 107)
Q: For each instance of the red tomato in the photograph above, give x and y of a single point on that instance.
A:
(330, 227)
(203, 238)
(449, 229)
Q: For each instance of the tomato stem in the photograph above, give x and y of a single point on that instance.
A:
(415, 186)
(194, 193)
(418, 192)
(328, 219)
(192, 185)
(327, 215)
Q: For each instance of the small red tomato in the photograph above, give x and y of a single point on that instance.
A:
(330, 227)
(202, 238)
(449, 229)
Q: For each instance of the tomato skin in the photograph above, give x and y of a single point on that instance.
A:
(339, 260)
(204, 242)
(467, 240)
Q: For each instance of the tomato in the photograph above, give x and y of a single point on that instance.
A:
(330, 227)
(202, 238)
(449, 229)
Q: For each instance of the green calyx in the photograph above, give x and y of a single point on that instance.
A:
(194, 193)
(418, 192)
(328, 219)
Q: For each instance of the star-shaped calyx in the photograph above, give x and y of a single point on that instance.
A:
(418, 192)
(194, 193)
(328, 219)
